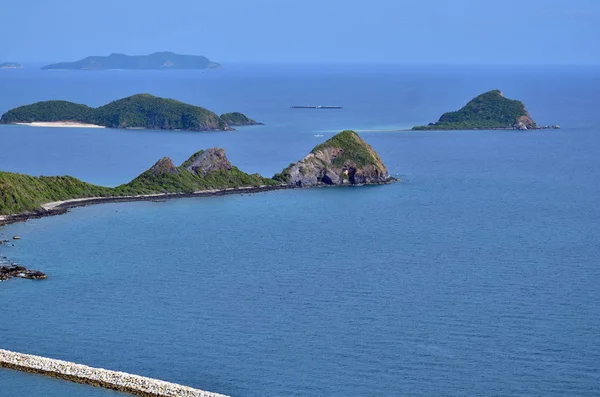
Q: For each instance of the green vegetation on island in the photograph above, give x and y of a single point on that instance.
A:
(143, 111)
(159, 60)
(22, 193)
(490, 110)
(238, 119)
(345, 159)
(205, 170)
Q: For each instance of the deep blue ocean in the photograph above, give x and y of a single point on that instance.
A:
(476, 275)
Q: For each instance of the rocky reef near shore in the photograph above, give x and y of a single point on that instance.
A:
(10, 271)
(345, 159)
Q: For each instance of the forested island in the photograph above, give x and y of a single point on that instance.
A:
(344, 159)
(142, 111)
(165, 60)
(487, 111)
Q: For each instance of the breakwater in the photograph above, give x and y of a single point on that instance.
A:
(121, 381)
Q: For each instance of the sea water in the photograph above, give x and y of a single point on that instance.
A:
(476, 275)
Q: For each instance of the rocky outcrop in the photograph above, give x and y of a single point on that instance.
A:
(206, 161)
(525, 123)
(163, 167)
(10, 271)
(345, 159)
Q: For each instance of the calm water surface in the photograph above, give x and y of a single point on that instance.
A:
(477, 275)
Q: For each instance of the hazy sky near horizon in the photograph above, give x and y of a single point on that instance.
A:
(398, 31)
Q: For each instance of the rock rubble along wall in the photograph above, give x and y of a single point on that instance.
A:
(134, 384)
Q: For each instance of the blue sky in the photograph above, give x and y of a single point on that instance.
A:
(396, 31)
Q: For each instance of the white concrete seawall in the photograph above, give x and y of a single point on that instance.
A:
(134, 384)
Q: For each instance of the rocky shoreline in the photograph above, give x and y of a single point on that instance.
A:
(10, 271)
(99, 377)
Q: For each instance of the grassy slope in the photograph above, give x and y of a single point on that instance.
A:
(488, 110)
(21, 193)
(355, 150)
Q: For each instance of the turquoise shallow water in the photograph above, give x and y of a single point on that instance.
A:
(477, 275)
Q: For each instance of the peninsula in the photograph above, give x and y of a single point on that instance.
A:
(142, 111)
(165, 60)
(345, 159)
(10, 65)
(488, 111)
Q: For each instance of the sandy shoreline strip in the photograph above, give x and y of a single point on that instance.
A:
(61, 207)
(144, 197)
(68, 124)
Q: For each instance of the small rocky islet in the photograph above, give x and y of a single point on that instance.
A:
(488, 111)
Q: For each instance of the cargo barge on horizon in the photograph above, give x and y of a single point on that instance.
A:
(316, 107)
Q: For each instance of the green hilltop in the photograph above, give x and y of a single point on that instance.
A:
(137, 111)
(490, 110)
(344, 159)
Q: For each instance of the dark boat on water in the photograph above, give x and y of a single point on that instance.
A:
(316, 107)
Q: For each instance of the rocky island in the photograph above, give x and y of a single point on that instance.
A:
(488, 111)
(143, 111)
(165, 60)
(345, 159)
(10, 65)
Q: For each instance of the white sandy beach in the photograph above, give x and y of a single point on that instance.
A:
(69, 124)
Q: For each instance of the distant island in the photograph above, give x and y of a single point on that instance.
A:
(344, 159)
(165, 60)
(10, 65)
(488, 111)
(143, 111)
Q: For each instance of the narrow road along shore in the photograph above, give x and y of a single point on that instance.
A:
(121, 381)
(61, 207)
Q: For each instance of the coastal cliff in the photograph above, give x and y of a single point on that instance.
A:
(488, 111)
(345, 159)
(142, 111)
